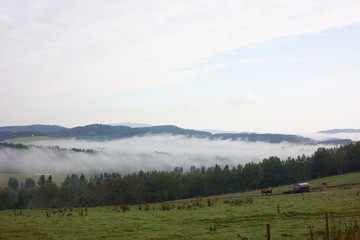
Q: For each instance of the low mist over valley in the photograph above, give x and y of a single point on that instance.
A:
(151, 148)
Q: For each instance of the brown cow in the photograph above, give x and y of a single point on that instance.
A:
(266, 191)
(323, 185)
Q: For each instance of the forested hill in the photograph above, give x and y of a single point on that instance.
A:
(336, 131)
(107, 132)
(32, 128)
(267, 137)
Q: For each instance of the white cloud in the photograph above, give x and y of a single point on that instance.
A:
(84, 48)
(57, 57)
(222, 65)
(248, 98)
(192, 106)
(301, 59)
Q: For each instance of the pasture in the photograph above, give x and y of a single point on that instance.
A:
(232, 216)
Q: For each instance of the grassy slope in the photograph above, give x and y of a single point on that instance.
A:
(296, 213)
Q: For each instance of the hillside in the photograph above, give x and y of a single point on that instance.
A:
(107, 132)
(242, 215)
(32, 128)
(271, 138)
(336, 131)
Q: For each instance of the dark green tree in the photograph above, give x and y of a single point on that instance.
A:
(21, 200)
(252, 174)
(237, 180)
(42, 180)
(45, 195)
(7, 198)
(66, 194)
(13, 184)
(29, 183)
(352, 157)
(192, 185)
(49, 180)
(272, 171)
(133, 188)
(320, 163)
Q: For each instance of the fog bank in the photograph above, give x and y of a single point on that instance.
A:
(326, 136)
(142, 153)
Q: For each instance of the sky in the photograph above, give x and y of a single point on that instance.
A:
(258, 66)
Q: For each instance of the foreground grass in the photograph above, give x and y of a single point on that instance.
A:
(288, 215)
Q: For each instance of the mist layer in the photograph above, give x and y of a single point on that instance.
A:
(141, 153)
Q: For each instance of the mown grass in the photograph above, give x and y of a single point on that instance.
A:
(289, 217)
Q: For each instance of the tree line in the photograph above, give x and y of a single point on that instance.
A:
(158, 186)
(55, 148)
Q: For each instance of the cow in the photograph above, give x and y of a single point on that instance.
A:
(266, 191)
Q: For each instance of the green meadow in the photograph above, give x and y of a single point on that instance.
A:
(232, 216)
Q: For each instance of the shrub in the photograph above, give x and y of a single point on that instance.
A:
(166, 206)
(210, 202)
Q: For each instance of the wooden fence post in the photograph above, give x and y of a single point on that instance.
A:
(327, 226)
(267, 231)
(311, 229)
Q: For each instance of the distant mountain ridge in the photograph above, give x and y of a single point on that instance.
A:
(345, 130)
(133, 125)
(107, 132)
(32, 128)
(264, 137)
(100, 132)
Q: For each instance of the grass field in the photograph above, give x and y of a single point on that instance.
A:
(231, 216)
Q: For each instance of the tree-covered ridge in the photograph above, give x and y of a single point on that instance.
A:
(266, 137)
(158, 186)
(20, 146)
(32, 128)
(344, 130)
(100, 132)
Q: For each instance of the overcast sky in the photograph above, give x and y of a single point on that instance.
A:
(266, 66)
